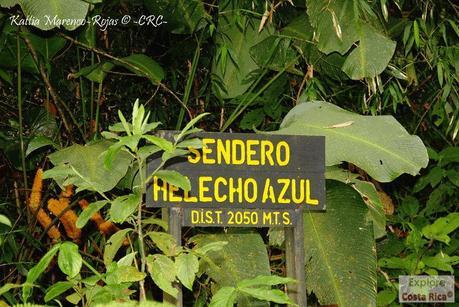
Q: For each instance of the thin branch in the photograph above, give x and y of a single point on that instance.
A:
(51, 90)
(120, 60)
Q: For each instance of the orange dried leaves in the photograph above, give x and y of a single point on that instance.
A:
(35, 195)
(67, 217)
(44, 220)
(105, 227)
(34, 205)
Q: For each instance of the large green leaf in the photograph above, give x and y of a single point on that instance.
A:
(183, 16)
(377, 144)
(302, 32)
(123, 206)
(8, 3)
(69, 259)
(339, 250)
(233, 64)
(114, 244)
(340, 24)
(187, 267)
(139, 64)
(163, 272)
(244, 257)
(440, 229)
(89, 172)
(57, 289)
(372, 55)
(369, 194)
(144, 66)
(37, 270)
(276, 53)
(64, 11)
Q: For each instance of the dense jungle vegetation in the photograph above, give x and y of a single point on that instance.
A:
(80, 103)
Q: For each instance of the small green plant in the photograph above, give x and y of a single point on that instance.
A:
(258, 287)
(126, 150)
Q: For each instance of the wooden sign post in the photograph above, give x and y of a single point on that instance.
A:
(248, 180)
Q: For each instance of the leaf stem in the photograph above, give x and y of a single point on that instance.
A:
(139, 228)
(21, 132)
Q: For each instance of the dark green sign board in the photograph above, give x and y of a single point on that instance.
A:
(247, 171)
(247, 180)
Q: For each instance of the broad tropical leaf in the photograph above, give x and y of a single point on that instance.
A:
(144, 66)
(377, 144)
(46, 10)
(369, 194)
(340, 24)
(372, 55)
(339, 250)
(244, 257)
(88, 173)
(233, 64)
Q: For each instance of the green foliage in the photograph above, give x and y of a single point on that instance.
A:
(369, 194)
(69, 259)
(114, 244)
(5, 220)
(157, 266)
(232, 65)
(440, 229)
(340, 265)
(257, 287)
(40, 9)
(87, 213)
(183, 17)
(243, 257)
(57, 289)
(37, 270)
(340, 24)
(378, 145)
(87, 174)
(248, 64)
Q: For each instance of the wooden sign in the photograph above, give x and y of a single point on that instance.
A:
(247, 180)
(235, 173)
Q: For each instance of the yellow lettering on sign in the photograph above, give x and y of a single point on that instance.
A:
(235, 189)
(267, 217)
(209, 218)
(189, 199)
(298, 199)
(309, 201)
(283, 146)
(286, 183)
(206, 151)
(218, 216)
(172, 196)
(250, 198)
(218, 197)
(194, 216)
(268, 192)
(239, 152)
(196, 153)
(223, 151)
(286, 218)
(202, 189)
(251, 152)
(267, 149)
(237, 148)
(157, 189)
